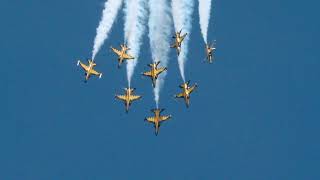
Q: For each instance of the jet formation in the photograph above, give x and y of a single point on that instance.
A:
(128, 97)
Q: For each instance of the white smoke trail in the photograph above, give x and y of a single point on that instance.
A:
(134, 28)
(109, 14)
(160, 24)
(204, 16)
(182, 17)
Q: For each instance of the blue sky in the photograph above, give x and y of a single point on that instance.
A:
(254, 116)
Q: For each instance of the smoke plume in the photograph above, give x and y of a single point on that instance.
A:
(204, 16)
(109, 14)
(160, 24)
(134, 28)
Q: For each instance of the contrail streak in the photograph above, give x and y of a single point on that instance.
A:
(204, 16)
(134, 28)
(160, 24)
(110, 11)
(182, 17)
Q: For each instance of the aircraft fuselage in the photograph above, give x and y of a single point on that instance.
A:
(156, 120)
(89, 69)
(186, 95)
(128, 102)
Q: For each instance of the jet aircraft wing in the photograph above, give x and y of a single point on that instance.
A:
(182, 37)
(134, 97)
(150, 119)
(174, 45)
(127, 56)
(121, 97)
(180, 95)
(147, 73)
(116, 51)
(92, 71)
(164, 118)
(192, 88)
(160, 70)
(85, 67)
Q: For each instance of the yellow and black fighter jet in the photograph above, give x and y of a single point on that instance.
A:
(128, 97)
(178, 40)
(89, 69)
(122, 54)
(186, 91)
(154, 72)
(157, 119)
(209, 52)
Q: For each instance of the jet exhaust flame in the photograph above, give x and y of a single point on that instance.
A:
(134, 28)
(109, 14)
(160, 24)
(204, 16)
(182, 17)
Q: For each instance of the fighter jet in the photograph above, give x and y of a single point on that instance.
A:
(89, 69)
(128, 97)
(157, 119)
(209, 52)
(154, 72)
(178, 40)
(187, 90)
(122, 54)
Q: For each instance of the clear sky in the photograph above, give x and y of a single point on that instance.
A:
(255, 115)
